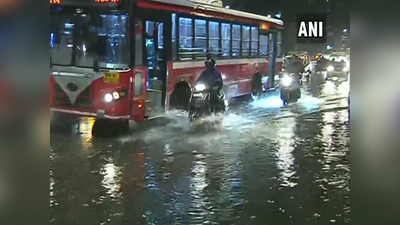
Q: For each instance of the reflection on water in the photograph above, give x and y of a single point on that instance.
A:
(285, 155)
(198, 209)
(280, 166)
(111, 180)
(85, 126)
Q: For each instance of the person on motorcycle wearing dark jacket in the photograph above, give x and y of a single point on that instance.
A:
(212, 79)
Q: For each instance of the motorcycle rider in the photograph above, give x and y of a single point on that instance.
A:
(212, 79)
(295, 65)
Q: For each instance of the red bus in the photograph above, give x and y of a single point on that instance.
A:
(132, 59)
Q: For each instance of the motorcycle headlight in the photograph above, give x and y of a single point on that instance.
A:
(200, 87)
(330, 68)
(108, 97)
(286, 81)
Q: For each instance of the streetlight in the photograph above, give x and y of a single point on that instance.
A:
(344, 30)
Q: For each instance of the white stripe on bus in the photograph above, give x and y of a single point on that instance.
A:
(190, 64)
(76, 112)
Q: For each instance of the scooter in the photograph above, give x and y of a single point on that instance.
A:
(289, 89)
(200, 102)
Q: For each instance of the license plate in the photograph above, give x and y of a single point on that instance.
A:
(111, 78)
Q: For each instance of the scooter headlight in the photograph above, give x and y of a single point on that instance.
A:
(286, 80)
(200, 87)
(330, 68)
(108, 97)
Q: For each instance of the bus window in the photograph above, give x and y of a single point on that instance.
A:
(138, 44)
(264, 45)
(271, 43)
(138, 83)
(93, 29)
(245, 40)
(236, 40)
(174, 37)
(226, 39)
(161, 35)
(200, 37)
(278, 46)
(213, 34)
(185, 38)
(254, 41)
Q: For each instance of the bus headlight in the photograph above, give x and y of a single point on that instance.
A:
(286, 81)
(115, 95)
(200, 87)
(330, 68)
(108, 97)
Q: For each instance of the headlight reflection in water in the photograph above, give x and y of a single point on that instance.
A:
(284, 154)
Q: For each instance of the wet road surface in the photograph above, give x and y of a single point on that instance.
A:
(265, 164)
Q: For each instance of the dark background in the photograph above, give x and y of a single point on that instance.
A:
(338, 18)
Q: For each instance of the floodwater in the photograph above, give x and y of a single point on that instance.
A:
(265, 164)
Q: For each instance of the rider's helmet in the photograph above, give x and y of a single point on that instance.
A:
(210, 63)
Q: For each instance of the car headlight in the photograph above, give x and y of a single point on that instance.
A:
(200, 87)
(286, 81)
(108, 97)
(330, 68)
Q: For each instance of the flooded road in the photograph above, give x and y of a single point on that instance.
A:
(266, 164)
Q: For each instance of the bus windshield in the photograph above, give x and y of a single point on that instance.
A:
(73, 38)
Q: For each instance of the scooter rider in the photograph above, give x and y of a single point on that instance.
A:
(211, 78)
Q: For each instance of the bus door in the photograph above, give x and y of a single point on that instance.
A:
(272, 59)
(158, 50)
(154, 43)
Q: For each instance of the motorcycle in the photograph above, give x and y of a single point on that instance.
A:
(201, 104)
(289, 89)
